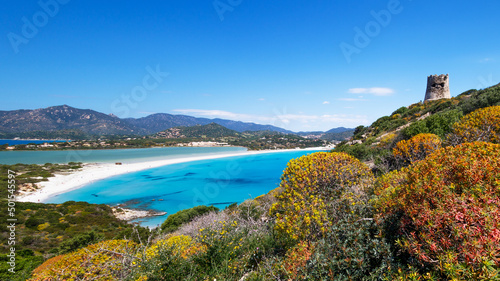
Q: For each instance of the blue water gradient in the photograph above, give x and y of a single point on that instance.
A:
(128, 155)
(14, 142)
(172, 188)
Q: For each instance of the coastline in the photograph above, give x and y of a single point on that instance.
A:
(92, 172)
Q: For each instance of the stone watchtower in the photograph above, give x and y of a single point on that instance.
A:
(438, 87)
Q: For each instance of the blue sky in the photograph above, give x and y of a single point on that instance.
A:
(300, 65)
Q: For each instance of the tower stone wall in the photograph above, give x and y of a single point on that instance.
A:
(438, 87)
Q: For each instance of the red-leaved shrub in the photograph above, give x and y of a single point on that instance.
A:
(449, 205)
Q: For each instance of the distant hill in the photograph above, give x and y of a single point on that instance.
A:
(337, 134)
(338, 130)
(60, 118)
(211, 130)
(161, 121)
(68, 122)
(247, 126)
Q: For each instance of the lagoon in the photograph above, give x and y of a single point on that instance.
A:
(171, 188)
(15, 142)
(130, 155)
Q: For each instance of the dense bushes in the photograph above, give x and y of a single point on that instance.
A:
(80, 241)
(51, 229)
(449, 212)
(416, 148)
(439, 124)
(174, 221)
(387, 123)
(481, 99)
(480, 125)
(318, 189)
(107, 260)
(353, 249)
(219, 246)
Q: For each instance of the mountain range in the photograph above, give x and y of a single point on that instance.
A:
(59, 120)
(161, 121)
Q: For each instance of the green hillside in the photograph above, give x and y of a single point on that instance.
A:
(374, 143)
(209, 131)
(337, 136)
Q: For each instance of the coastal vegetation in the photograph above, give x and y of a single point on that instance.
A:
(27, 175)
(45, 230)
(175, 221)
(330, 218)
(376, 142)
(414, 196)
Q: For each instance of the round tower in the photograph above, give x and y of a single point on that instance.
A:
(438, 87)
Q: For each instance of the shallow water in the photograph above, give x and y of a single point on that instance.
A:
(14, 142)
(110, 155)
(218, 182)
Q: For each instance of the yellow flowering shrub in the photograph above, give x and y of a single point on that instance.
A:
(416, 148)
(180, 245)
(43, 226)
(387, 139)
(387, 186)
(480, 125)
(318, 189)
(106, 260)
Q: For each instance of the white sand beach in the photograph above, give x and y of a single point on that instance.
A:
(92, 172)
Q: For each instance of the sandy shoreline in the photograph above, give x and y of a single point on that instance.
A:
(92, 172)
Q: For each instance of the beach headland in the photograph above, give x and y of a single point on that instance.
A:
(132, 214)
(92, 172)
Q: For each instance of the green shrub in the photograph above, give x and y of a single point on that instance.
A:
(469, 92)
(387, 123)
(353, 249)
(358, 150)
(80, 241)
(358, 132)
(402, 110)
(439, 124)
(174, 221)
(481, 99)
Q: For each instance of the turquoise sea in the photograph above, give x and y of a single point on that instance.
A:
(14, 142)
(172, 188)
(109, 155)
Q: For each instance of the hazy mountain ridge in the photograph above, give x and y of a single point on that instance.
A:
(335, 134)
(58, 119)
(162, 121)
